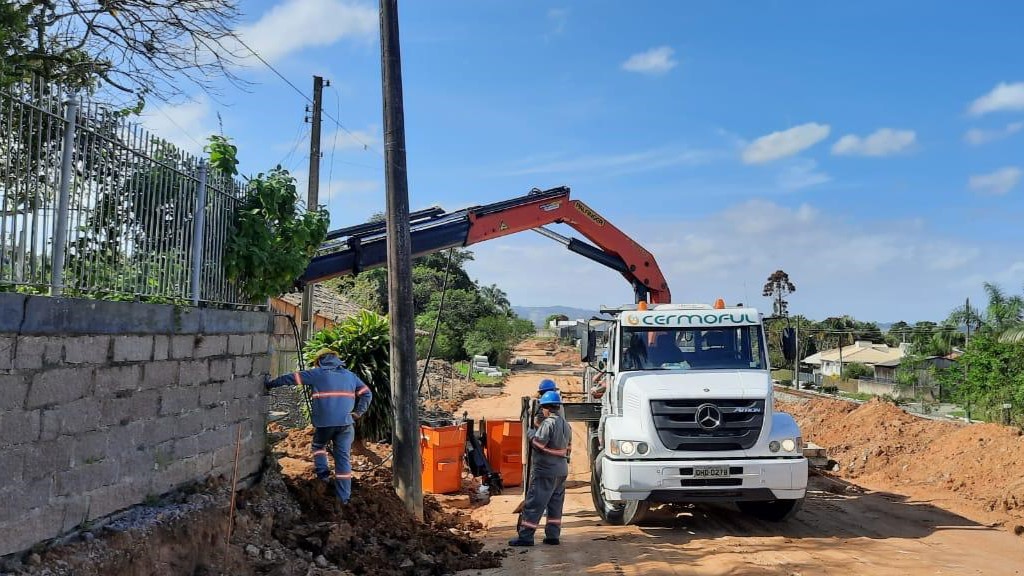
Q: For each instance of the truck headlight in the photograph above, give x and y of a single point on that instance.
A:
(789, 445)
(627, 447)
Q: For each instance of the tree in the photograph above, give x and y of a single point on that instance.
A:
(555, 317)
(497, 298)
(778, 287)
(1003, 315)
(138, 48)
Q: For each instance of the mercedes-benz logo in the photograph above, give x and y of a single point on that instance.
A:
(708, 416)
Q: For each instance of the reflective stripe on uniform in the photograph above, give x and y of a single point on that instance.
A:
(552, 451)
(527, 523)
(343, 475)
(319, 453)
(319, 395)
(362, 390)
(554, 521)
(298, 378)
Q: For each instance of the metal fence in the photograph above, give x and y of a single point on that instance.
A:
(93, 205)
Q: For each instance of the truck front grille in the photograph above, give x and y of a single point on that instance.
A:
(678, 425)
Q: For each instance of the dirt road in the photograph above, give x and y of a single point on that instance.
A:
(842, 529)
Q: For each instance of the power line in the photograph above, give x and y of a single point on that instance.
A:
(305, 97)
(178, 126)
(334, 144)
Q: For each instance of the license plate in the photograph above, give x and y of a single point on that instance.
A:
(710, 471)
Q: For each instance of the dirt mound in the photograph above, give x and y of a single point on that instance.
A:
(878, 444)
(287, 524)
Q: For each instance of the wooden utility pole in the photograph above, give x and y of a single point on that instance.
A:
(796, 361)
(312, 194)
(406, 445)
(967, 340)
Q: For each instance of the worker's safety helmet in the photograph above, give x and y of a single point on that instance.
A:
(321, 353)
(550, 398)
(547, 385)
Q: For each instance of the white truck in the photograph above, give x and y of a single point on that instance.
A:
(686, 414)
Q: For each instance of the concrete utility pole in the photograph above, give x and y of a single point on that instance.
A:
(408, 483)
(796, 361)
(312, 194)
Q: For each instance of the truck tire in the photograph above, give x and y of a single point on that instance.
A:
(611, 512)
(636, 512)
(772, 510)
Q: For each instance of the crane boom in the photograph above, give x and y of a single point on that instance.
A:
(432, 230)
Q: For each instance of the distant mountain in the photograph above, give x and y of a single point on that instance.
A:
(537, 314)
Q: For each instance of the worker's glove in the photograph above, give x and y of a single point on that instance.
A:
(356, 416)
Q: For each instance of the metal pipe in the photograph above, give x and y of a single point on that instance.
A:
(60, 236)
(563, 240)
(199, 223)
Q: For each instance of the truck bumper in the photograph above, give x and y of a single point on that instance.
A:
(675, 481)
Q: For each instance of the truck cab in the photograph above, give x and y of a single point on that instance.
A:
(687, 414)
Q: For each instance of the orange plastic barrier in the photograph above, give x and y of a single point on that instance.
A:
(505, 449)
(441, 451)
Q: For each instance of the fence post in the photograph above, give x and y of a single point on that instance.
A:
(60, 234)
(198, 226)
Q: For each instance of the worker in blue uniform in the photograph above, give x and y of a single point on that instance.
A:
(550, 447)
(338, 398)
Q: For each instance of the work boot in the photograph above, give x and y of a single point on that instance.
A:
(517, 541)
(552, 541)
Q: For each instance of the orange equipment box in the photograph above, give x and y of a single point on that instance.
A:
(441, 451)
(504, 450)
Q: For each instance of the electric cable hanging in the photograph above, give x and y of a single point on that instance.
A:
(437, 321)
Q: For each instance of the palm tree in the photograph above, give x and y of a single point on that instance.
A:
(1003, 316)
(497, 298)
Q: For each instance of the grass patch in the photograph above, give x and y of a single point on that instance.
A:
(782, 374)
(857, 395)
(463, 368)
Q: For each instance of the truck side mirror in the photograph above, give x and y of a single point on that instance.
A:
(789, 344)
(588, 346)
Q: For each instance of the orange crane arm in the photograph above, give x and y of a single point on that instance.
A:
(641, 267)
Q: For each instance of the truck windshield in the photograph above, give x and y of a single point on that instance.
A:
(722, 348)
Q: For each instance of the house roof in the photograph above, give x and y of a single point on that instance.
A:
(326, 302)
(863, 352)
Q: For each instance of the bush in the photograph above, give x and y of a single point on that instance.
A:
(362, 343)
(855, 370)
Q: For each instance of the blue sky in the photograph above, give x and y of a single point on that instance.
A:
(872, 150)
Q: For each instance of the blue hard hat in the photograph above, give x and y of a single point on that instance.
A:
(547, 385)
(550, 397)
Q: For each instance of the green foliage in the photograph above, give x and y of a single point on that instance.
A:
(995, 375)
(223, 155)
(462, 368)
(362, 343)
(272, 242)
(559, 317)
(855, 370)
(447, 344)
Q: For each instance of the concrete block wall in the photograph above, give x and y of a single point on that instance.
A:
(103, 404)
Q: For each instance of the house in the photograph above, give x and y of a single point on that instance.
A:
(830, 362)
(886, 371)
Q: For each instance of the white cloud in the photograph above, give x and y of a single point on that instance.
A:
(557, 18)
(977, 136)
(996, 183)
(785, 143)
(293, 25)
(617, 164)
(654, 61)
(839, 266)
(1004, 97)
(882, 142)
(180, 123)
(801, 174)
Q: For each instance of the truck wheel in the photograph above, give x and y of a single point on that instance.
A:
(635, 512)
(773, 510)
(610, 512)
